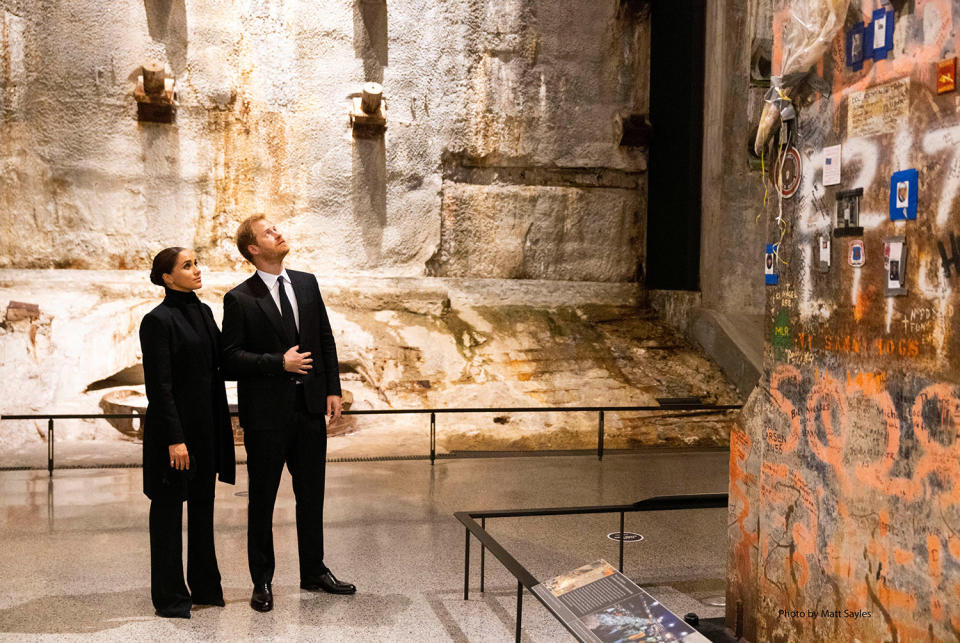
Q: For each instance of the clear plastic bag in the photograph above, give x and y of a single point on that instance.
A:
(812, 26)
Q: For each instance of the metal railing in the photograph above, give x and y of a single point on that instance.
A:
(527, 580)
(674, 411)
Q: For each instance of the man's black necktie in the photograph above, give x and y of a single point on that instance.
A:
(286, 310)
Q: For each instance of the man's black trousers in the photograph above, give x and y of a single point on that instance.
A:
(301, 444)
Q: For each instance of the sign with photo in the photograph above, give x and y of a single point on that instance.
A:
(903, 195)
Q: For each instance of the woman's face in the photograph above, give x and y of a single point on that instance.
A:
(185, 276)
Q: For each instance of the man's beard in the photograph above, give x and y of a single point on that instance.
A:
(275, 255)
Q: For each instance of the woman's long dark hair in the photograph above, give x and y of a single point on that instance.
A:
(163, 264)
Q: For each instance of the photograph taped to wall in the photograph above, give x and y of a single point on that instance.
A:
(903, 193)
(895, 258)
(770, 266)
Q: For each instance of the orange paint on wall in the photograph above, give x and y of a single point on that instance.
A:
(894, 598)
(903, 557)
(934, 552)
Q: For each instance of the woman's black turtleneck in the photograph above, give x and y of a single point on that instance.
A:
(190, 304)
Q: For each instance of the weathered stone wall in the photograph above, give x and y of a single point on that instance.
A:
(845, 474)
(503, 125)
(402, 343)
(732, 190)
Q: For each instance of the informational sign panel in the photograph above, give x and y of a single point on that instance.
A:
(878, 110)
(600, 604)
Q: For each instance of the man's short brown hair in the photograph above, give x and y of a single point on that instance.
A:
(246, 237)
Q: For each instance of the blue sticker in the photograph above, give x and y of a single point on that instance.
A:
(855, 45)
(903, 195)
(770, 266)
(881, 33)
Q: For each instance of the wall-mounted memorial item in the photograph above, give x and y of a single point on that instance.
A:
(848, 213)
(791, 170)
(880, 33)
(947, 75)
(823, 253)
(895, 265)
(856, 256)
(770, 265)
(903, 195)
(855, 47)
(831, 165)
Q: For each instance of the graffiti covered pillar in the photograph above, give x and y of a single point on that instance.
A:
(845, 472)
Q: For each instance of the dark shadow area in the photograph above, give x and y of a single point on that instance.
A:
(676, 145)
(370, 37)
(130, 376)
(167, 23)
(369, 193)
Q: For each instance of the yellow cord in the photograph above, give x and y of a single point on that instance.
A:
(763, 178)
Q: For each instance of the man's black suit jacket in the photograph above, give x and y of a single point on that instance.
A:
(254, 343)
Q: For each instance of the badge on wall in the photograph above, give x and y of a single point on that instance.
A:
(770, 266)
(946, 75)
(856, 256)
(790, 172)
(903, 195)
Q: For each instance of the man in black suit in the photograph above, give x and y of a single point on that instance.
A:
(272, 324)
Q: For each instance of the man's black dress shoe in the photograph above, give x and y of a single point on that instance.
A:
(262, 598)
(329, 583)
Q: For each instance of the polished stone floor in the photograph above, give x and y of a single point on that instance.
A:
(74, 551)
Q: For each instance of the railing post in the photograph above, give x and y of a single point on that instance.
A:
(600, 438)
(433, 437)
(50, 446)
(519, 607)
(621, 543)
(466, 566)
(483, 550)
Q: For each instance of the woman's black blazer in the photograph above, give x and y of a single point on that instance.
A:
(185, 395)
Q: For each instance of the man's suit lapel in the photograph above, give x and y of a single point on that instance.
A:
(269, 307)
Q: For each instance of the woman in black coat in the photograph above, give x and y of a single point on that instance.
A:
(187, 438)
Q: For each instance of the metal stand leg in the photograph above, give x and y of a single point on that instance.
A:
(600, 438)
(466, 566)
(621, 542)
(50, 447)
(433, 437)
(519, 608)
(483, 550)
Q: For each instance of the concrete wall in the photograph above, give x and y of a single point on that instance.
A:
(845, 474)
(732, 191)
(492, 107)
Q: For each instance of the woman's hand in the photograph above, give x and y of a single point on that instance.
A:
(179, 457)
